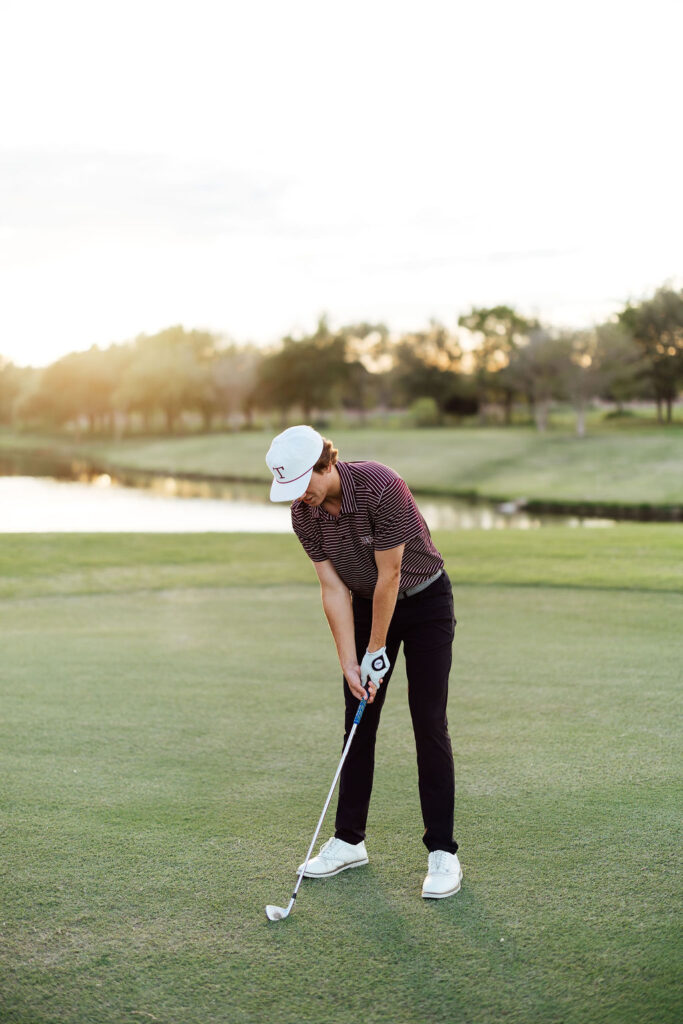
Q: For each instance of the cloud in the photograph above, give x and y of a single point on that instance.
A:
(57, 193)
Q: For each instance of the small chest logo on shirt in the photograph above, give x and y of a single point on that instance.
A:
(367, 539)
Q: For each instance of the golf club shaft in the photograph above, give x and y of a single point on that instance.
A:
(359, 715)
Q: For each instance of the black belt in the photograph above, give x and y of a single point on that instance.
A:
(420, 586)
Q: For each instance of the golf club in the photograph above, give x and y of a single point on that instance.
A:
(279, 913)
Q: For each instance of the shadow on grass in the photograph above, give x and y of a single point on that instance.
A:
(400, 957)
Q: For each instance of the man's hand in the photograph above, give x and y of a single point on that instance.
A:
(373, 668)
(352, 676)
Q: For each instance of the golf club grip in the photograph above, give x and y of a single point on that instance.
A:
(362, 706)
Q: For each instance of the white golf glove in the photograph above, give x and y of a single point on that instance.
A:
(374, 667)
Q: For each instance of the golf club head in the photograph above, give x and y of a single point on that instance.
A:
(276, 913)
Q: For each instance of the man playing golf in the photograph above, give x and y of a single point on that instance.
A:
(382, 583)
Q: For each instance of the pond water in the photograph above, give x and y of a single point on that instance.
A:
(38, 494)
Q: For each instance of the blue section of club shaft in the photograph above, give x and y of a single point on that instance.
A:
(359, 713)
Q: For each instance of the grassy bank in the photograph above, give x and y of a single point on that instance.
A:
(629, 467)
(166, 747)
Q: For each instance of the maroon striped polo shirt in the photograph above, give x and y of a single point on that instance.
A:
(378, 512)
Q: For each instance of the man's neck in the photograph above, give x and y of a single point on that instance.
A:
(333, 498)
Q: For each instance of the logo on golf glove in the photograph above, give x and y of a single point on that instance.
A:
(374, 666)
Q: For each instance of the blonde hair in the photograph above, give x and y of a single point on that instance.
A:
(328, 457)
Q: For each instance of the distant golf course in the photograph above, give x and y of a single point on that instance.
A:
(167, 744)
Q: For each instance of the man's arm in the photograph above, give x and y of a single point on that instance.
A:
(386, 591)
(336, 599)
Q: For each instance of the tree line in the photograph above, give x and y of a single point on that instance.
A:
(359, 367)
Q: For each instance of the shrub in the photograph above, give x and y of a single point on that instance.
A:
(424, 412)
(619, 414)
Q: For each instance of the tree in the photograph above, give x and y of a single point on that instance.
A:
(167, 371)
(98, 371)
(598, 361)
(536, 368)
(367, 343)
(619, 362)
(657, 326)
(501, 330)
(12, 383)
(367, 354)
(231, 382)
(577, 371)
(136, 389)
(425, 365)
(60, 393)
(310, 372)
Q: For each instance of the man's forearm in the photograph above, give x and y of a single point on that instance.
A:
(339, 614)
(383, 605)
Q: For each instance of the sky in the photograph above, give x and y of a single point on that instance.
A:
(246, 167)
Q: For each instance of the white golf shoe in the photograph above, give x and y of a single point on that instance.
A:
(444, 875)
(335, 856)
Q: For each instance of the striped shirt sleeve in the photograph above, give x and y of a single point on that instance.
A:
(397, 517)
(308, 535)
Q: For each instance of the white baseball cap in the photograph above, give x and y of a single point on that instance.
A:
(291, 458)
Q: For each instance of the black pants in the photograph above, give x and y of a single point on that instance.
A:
(425, 624)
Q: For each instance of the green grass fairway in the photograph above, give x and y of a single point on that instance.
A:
(170, 721)
(634, 466)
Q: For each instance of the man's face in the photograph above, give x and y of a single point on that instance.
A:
(316, 492)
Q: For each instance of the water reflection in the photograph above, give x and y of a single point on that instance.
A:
(43, 505)
(449, 514)
(40, 495)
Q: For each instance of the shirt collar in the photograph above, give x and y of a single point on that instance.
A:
(348, 502)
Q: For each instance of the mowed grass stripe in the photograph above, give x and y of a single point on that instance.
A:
(627, 556)
(166, 754)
